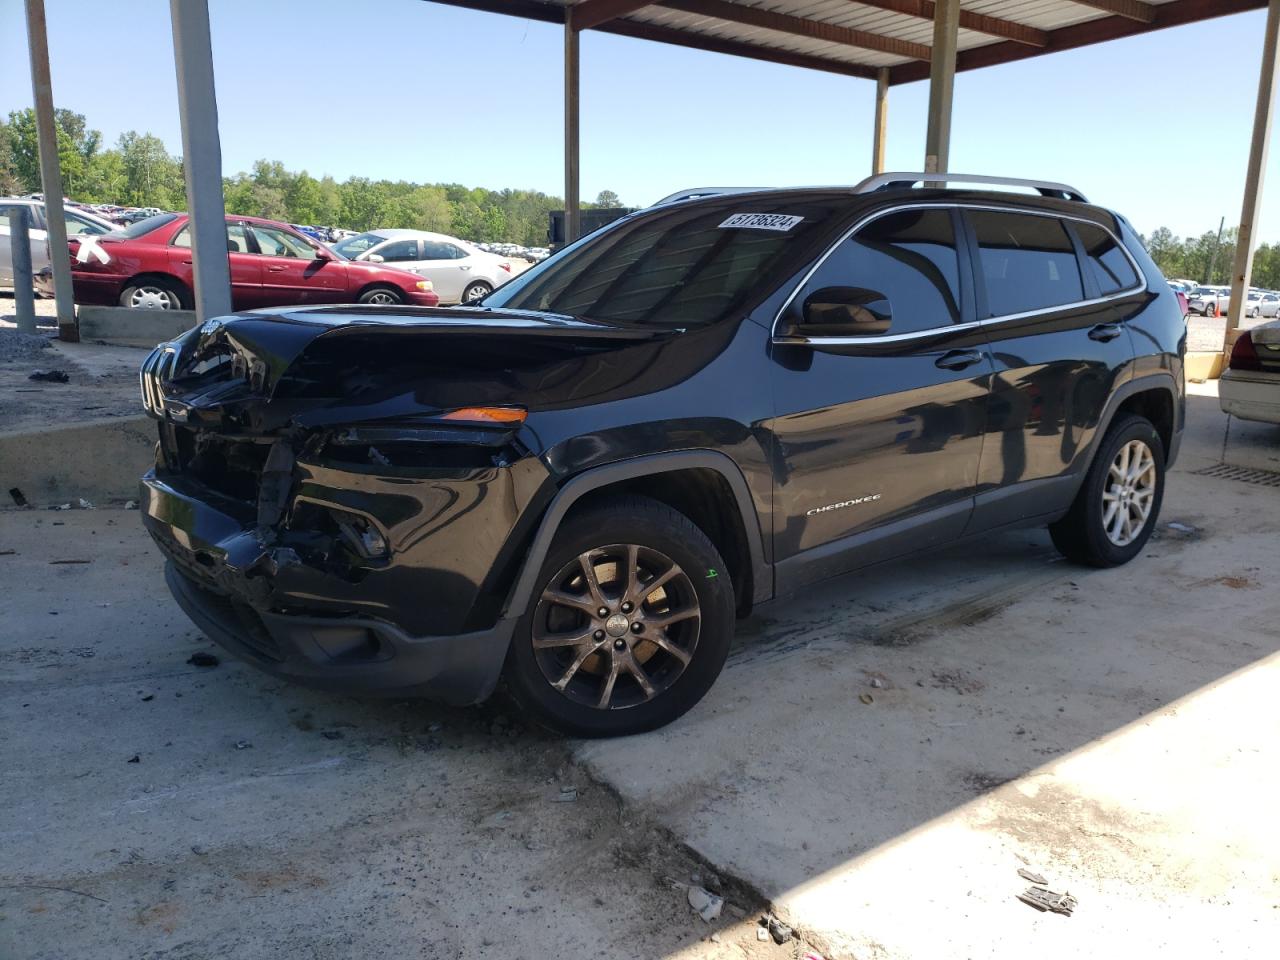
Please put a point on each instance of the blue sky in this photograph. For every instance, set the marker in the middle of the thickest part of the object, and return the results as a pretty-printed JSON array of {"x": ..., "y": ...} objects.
[{"x": 1155, "y": 126}]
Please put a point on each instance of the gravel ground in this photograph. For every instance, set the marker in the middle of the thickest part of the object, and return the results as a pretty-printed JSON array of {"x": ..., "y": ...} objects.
[{"x": 18, "y": 347}]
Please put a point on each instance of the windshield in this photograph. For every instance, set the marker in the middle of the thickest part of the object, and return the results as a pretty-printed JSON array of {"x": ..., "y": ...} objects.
[
  {"x": 143, "y": 227},
  {"x": 352, "y": 247},
  {"x": 682, "y": 265}
]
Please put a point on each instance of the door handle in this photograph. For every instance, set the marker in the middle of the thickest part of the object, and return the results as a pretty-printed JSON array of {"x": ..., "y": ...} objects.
[
  {"x": 275, "y": 269},
  {"x": 958, "y": 359},
  {"x": 187, "y": 262},
  {"x": 1105, "y": 331}
]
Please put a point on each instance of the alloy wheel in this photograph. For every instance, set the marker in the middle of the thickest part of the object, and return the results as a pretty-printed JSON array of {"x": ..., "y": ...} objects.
[
  {"x": 616, "y": 626},
  {"x": 382, "y": 298},
  {"x": 1129, "y": 493}
]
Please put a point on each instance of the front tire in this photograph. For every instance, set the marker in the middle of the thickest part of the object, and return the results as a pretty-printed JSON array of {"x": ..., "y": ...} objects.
[
  {"x": 1118, "y": 505},
  {"x": 630, "y": 626},
  {"x": 475, "y": 291},
  {"x": 381, "y": 296}
]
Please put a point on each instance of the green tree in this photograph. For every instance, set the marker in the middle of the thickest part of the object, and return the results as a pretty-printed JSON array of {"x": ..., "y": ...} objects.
[
  {"x": 152, "y": 178},
  {"x": 608, "y": 200}
]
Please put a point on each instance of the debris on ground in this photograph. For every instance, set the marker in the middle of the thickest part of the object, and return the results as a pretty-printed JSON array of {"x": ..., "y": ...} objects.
[
  {"x": 243, "y": 745},
  {"x": 331, "y": 734},
  {"x": 762, "y": 934},
  {"x": 61, "y": 506},
  {"x": 955, "y": 680},
  {"x": 131, "y": 504},
  {"x": 55, "y": 562},
  {"x": 1181, "y": 527},
  {"x": 1045, "y": 900},
  {"x": 780, "y": 932},
  {"x": 19, "y": 499},
  {"x": 134, "y": 759},
  {"x": 198, "y": 850},
  {"x": 19, "y": 347},
  {"x": 705, "y": 904},
  {"x": 865, "y": 698},
  {"x": 8, "y": 553},
  {"x": 50, "y": 376},
  {"x": 1031, "y": 876},
  {"x": 202, "y": 659},
  {"x": 149, "y": 697},
  {"x": 85, "y": 504},
  {"x": 567, "y": 795}
]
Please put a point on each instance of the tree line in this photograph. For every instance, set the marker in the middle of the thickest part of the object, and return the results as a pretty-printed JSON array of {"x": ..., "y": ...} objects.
[{"x": 139, "y": 171}]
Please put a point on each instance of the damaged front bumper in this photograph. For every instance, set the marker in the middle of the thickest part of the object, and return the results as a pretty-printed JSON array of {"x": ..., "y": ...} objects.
[{"x": 253, "y": 592}]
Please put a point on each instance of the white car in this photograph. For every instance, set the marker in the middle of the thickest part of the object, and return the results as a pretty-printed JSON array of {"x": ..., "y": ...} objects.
[
  {"x": 79, "y": 223},
  {"x": 458, "y": 271},
  {"x": 1210, "y": 301},
  {"x": 1250, "y": 386}
]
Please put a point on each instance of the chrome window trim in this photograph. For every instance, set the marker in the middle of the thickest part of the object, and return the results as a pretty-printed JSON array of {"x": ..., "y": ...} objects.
[{"x": 799, "y": 340}]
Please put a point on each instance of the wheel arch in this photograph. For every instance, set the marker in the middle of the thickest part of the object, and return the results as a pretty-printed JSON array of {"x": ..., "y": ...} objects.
[
  {"x": 185, "y": 294},
  {"x": 381, "y": 285},
  {"x": 680, "y": 480},
  {"x": 1154, "y": 396}
]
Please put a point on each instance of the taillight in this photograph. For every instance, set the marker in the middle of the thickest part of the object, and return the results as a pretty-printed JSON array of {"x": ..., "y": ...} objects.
[
  {"x": 1243, "y": 355},
  {"x": 505, "y": 265}
]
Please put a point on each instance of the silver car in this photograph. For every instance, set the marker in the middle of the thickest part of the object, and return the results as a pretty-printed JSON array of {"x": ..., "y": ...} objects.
[{"x": 79, "y": 223}]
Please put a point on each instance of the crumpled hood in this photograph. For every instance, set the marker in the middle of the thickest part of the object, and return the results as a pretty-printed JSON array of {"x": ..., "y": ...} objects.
[{"x": 262, "y": 370}]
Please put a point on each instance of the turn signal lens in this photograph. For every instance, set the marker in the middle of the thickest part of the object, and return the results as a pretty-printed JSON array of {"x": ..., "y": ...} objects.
[
  {"x": 423, "y": 284},
  {"x": 507, "y": 416}
]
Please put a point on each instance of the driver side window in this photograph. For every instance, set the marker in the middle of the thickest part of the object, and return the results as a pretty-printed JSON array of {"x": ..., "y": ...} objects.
[{"x": 909, "y": 258}]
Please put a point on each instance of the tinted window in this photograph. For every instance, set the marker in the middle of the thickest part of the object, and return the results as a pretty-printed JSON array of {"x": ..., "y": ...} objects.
[
  {"x": 143, "y": 227},
  {"x": 398, "y": 251},
  {"x": 681, "y": 265},
  {"x": 1105, "y": 260},
  {"x": 352, "y": 247},
  {"x": 908, "y": 257},
  {"x": 1028, "y": 262},
  {"x": 237, "y": 242},
  {"x": 437, "y": 250},
  {"x": 280, "y": 243},
  {"x": 82, "y": 226}
]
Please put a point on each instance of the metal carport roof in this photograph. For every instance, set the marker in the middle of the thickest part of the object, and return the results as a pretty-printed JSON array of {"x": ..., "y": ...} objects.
[{"x": 858, "y": 37}]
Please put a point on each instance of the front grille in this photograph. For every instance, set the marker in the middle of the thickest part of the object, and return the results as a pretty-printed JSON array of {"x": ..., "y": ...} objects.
[
  {"x": 156, "y": 370},
  {"x": 1227, "y": 471},
  {"x": 232, "y": 468}
]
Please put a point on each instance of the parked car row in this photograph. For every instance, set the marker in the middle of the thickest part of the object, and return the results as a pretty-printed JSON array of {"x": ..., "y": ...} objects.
[
  {"x": 458, "y": 271},
  {"x": 1214, "y": 302},
  {"x": 149, "y": 265},
  {"x": 532, "y": 254}
]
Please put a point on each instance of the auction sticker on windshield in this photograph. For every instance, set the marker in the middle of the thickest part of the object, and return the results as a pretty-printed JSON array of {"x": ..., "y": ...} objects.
[{"x": 761, "y": 221}]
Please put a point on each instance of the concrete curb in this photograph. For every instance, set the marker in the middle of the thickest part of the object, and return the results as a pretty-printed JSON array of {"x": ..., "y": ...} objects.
[
  {"x": 100, "y": 461},
  {"x": 133, "y": 328},
  {"x": 1203, "y": 365}
]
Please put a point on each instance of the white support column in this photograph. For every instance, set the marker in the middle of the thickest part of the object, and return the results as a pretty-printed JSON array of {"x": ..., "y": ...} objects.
[
  {"x": 50, "y": 171},
  {"x": 572, "y": 200},
  {"x": 201, "y": 156},
  {"x": 942, "y": 78},
  {"x": 881, "y": 122},
  {"x": 1242, "y": 267}
]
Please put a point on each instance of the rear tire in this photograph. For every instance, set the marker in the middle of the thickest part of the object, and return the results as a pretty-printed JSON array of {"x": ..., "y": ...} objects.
[
  {"x": 1118, "y": 504},
  {"x": 1211, "y": 310},
  {"x": 155, "y": 293},
  {"x": 661, "y": 642},
  {"x": 381, "y": 296},
  {"x": 475, "y": 291}
]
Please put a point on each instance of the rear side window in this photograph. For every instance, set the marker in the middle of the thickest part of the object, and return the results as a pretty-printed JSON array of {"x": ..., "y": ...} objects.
[
  {"x": 1028, "y": 262},
  {"x": 1105, "y": 260},
  {"x": 399, "y": 251},
  {"x": 910, "y": 258}
]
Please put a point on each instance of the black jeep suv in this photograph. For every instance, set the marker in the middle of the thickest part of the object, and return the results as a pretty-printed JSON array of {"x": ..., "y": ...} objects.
[{"x": 579, "y": 483}]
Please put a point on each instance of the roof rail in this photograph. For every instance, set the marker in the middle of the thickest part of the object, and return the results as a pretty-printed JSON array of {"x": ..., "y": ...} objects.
[
  {"x": 693, "y": 193},
  {"x": 894, "y": 181}
]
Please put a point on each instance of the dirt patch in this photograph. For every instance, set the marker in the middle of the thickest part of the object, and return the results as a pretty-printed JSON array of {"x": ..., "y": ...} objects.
[{"x": 957, "y": 681}]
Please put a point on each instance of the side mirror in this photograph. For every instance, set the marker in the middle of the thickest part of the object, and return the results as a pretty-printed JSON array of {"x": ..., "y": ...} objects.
[
  {"x": 323, "y": 254},
  {"x": 375, "y": 258},
  {"x": 846, "y": 312}
]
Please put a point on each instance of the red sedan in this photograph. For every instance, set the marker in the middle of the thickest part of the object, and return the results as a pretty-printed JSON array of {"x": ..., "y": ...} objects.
[{"x": 148, "y": 264}]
